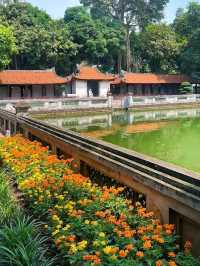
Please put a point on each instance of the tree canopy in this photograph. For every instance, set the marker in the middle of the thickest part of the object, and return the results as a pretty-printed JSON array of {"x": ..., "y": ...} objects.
[
  {"x": 130, "y": 13},
  {"x": 160, "y": 48},
  {"x": 7, "y": 45},
  {"x": 115, "y": 35}
]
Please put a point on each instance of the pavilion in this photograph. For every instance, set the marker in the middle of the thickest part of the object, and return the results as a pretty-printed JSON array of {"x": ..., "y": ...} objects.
[
  {"x": 89, "y": 81},
  {"x": 147, "y": 84},
  {"x": 21, "y": 84}
]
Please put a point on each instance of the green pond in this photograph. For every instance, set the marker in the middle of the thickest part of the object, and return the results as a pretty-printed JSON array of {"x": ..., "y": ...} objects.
[{"x": 172, "y": 136}]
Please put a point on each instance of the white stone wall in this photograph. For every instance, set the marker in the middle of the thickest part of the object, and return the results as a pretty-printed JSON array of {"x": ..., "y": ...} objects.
[
  {"x": 104, "y": 87},
  {"x": 80, "y": 88}
]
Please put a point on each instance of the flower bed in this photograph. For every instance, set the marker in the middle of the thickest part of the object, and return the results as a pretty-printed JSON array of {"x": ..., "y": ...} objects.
[{"x": 89, "y": 225}]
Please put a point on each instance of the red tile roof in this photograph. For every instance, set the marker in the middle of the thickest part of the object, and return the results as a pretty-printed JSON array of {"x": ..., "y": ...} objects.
[
  {"x": 149, "y": 78},
  {"x": 30, "y": 77},
  {"x": 91, "y": 73}
]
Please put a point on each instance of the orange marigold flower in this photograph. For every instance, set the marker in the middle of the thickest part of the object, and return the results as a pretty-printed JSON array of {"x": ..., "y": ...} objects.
[
  {"x": 87, "y": 257},
  {"x": 129, "y": 234},
  {"x": 97, "y": 261},
  {"x": 172, "y": 263},
  {"x": 168, "y": 232},
  {"x": 71, "y": 238},
  {"x": 159, "y": 263},
  {"x": 58, "y": 242},
  {"x": 171, "y": 254},
  {"x": 147, "y": 244},
  {"x": 123, "y": 253},
  {"x": 145, "y": 238},
  {"x": 188, "y": 245},
  {"x": 129, "y": 247},
  {"x": 140, "y": 254}
]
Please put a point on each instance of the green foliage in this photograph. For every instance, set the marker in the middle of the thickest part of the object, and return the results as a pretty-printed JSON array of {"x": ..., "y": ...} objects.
[
  {"x": 103, "y": 33},
  {"x": 185, "y": 88},
  {"x": 98, "y": 42},
  {"x": 130, "y": 14},
  {"x": 7, "y": 45},
  {"x": 86, "y": 34},
  {"x": 188, "y": 260},
  {"x": 160, "y": 48},
  {"x": 21, "y": 244},
  {"x": 9, "y": 208},
  {"x": 42, "y": 42},
  {"x": 187, "y": 26},
  {"x": 186, "y": 22}
]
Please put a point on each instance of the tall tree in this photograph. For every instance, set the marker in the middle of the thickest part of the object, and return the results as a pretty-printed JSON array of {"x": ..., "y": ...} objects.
[
  {"x": 7, "y": 45},
  {"x": 187, "y": 26},
  {"x": 160, "y": 47},
  {"x": 86, "y": 34},
  {"x": 42, "y": 42},
  {"x": 130, "y": 13}
]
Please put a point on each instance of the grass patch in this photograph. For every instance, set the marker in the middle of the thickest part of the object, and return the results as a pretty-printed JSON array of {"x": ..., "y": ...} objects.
[
  {"x": 22, "y": 245},
  {"x": 9, "y": 208}
]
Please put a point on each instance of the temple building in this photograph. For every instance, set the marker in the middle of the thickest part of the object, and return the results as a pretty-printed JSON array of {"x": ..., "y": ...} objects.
[
  {"x": 147, "y": 84},
  {"x": 21, "y": 84},
  {"x": 88, "y": 81}
]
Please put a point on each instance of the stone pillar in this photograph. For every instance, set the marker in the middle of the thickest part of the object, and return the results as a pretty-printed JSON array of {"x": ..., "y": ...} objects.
[
  {"x": 110, "y": 120},
  {"x": 110, "y": 99},
  {"x": 60, "y": 105},
  {"x": 21, "y": 109},
  {"x": 128, "y": 101},
  {"x": 46, "y": 105}
]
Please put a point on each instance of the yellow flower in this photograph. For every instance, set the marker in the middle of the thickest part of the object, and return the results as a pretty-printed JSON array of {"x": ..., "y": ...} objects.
[
  {"x": 66, "y": 227},
  {"x": 94, "y": 222},
  {"x": 101, "y": 234},
  {"x": 96, "y": 243},
  {"x": 107, "y": 250},
  {"x": 113, "y": 257},
  {"x": 87, "y": 222},
  {"x": 55, "y": 217},
  {"x": 82, "y": 245},
  {"x": 60, "y": 197},
  {"x": 58, "y": 226},
  {"x": 46, "y": 226},
  {"x": 55, "y": 232},
  {"x": 73, "y": 248}
]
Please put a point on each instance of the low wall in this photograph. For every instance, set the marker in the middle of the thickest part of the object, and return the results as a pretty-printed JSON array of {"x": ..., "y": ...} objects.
[
  {"x": 132, "y": 101},
  {"x": 75, "y": 103},
  {"x": 61, "y": 103}
]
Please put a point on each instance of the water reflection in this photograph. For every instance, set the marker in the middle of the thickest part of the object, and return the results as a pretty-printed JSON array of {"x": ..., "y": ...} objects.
[
  {"x": 173, "y": 136},
  {"x": 82, "y": 123}
]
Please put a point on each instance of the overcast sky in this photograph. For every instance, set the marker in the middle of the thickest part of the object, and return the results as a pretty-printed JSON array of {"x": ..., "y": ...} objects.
[{"x": 56, "y": 8}]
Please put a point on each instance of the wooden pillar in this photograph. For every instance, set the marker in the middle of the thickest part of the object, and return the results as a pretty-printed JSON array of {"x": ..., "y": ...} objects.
[
  {"x": 9, "y": 91},
  {"x": 22, "y": 91},
  {"x": 31, "y": 91}
]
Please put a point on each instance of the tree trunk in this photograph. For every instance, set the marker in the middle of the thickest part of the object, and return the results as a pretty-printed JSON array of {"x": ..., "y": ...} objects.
[
  {"x": 128, "y": 49},
  {"x": 119, "y": 63}
]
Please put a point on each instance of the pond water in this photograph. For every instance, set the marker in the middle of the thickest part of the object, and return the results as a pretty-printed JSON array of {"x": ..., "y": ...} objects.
[{"x": 172, "y": 136}]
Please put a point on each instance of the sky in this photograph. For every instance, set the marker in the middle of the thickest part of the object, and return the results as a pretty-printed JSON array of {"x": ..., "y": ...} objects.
[{"x": 57, "y": 8}]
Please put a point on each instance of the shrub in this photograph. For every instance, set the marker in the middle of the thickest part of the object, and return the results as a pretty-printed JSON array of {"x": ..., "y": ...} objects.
[
  {"x": 9, "y": 209},
  {"x": 185, "y": 88},
  {"x": 21, "y": 244}
]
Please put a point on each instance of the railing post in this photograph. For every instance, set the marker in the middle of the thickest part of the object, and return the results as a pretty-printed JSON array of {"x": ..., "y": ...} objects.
[{"x": 110, "y": 100}]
